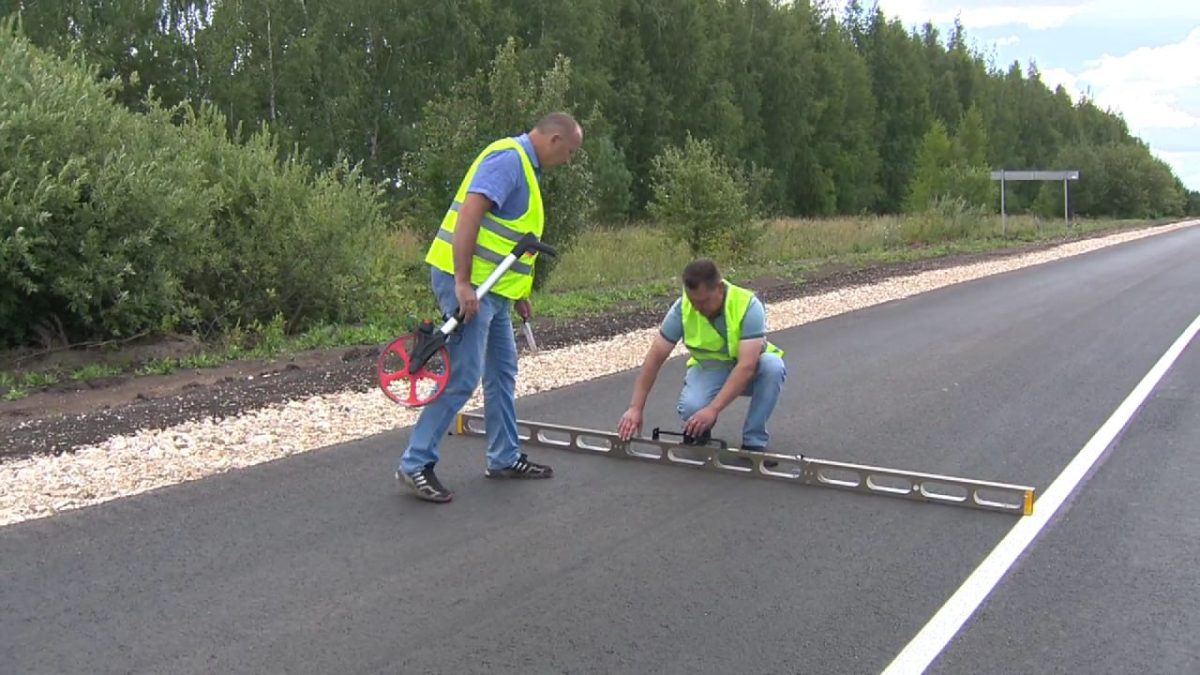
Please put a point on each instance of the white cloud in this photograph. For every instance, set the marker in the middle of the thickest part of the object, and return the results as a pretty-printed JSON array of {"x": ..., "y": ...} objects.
[
  {"x": 1006, "y": 41},
  {"x": 1185, "y": 164},
  {"x": 1145, "y": 84},
  {"x": 1033, "y": 14},
  {"x": 1156, "y": 90},
  {"x": 1052, "y": 77}
]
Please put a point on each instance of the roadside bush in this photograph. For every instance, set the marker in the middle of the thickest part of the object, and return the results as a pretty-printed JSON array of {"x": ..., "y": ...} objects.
[
  {"x": 284, "y": 239},
  {"x": 942, "y": 173},
  {"x": 945, "y": 219},
  {"x": 114, "y": 223},
  {"x": 96, "y": 206},
  {"x": 701, "y": 200}
]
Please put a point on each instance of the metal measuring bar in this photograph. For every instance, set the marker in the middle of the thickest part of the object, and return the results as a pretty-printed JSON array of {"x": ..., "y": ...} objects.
[{"x": 877, "y": 480}]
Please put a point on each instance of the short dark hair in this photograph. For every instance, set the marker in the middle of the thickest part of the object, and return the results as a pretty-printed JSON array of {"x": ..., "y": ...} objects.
[{"x": 702, "y": 271}]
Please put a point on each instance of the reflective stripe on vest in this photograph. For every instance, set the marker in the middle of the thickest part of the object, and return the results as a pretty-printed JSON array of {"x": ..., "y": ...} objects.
[
  {"x": 497, "y": 236},
  {"x": 704, "y": 344}
]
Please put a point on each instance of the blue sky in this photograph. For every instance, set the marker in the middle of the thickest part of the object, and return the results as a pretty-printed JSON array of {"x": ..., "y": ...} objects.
[{"x": 1141, "y": 59}]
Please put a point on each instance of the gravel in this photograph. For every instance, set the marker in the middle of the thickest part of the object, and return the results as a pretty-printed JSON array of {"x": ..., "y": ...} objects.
[{"x": 43, "y": 485}]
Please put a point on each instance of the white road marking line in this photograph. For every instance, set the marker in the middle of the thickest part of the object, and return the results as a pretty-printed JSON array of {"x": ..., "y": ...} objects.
[{"x": 945, "y": 624}]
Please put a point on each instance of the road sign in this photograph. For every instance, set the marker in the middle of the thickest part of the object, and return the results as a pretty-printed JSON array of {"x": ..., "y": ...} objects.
[
  {"x": 1004, "y": 175},
  {"x": 1035, "y": 175}
]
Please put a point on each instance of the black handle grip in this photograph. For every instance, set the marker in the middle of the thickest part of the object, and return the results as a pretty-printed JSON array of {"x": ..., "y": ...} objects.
[
  {"x": 529, "y": 242},
  {"x": 704, "y": 439}
]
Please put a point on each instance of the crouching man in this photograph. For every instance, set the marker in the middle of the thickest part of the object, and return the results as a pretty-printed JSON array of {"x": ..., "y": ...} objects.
[{"x": 723, "y": 327}]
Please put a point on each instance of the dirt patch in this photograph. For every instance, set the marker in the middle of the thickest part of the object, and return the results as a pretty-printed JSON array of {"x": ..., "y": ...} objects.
[{"x": 60, "y": 417}]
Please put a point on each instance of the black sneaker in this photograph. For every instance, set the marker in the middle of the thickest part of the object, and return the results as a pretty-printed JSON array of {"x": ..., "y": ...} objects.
[
  {"x": 522, "y": 468},
  {"x": 426, "y": 485},
  {"x": 769, "y": 463}
]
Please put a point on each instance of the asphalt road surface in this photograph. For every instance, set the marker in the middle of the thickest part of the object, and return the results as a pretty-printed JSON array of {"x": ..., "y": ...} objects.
[{"x": 318, "y": 564}]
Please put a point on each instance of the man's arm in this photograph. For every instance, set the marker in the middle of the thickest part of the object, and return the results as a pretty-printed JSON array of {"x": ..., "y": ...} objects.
[
  {"x": 656, "y": 356},
  {"x": 631, "y": 421},
  {"x": 743, "y": 372}
]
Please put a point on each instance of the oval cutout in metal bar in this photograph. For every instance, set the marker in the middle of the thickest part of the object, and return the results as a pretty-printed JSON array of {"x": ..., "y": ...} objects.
[
  {"x": 559, "y": 438},
  {"x": 946, "y": 492},
  {"x": 595, "y": 443},
  {"x": 891, "y": 484},
  {"x": 840, "y": 477}
]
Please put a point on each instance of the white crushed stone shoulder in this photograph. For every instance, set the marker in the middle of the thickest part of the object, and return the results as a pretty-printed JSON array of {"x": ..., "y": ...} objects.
[{"x": 125, "y": 465}]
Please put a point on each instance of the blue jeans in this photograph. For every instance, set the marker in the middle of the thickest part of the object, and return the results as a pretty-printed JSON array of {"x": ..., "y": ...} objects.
[
  {"x": 482, "y": 346},
  {"x": 701, "y": 385}
]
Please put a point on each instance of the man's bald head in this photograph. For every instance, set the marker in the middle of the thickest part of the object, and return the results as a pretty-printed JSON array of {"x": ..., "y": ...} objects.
[
  {"x": 555, "y": 138},
  {"x": 557, "y": 123}
]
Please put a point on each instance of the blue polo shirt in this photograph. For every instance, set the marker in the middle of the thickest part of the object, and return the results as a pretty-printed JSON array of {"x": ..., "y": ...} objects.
[{"x": 501, "y": 178}]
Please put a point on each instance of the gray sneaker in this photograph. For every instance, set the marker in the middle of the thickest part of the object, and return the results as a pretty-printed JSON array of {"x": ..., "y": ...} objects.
[
  {"x": 425, "y": 485},
  {"x": 522, "y": 468}
]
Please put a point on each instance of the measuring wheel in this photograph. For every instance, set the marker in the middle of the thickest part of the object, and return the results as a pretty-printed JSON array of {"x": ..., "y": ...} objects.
[{"x": 409, "y": 386}]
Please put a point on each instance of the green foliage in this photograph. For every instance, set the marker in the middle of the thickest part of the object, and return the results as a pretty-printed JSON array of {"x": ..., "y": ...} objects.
[
  {"x": 611, "y": 179},
  {"x": 115, "y": 223},
  {"x": 932, "y": 177},
  {"x": 96, "y": 205},
  {"x": 505, "y": 101},
  {"x": 835, "y": 107},
  {"x": 701, "y": 199},
  {"x": 94, "y": 371},
  {"x": 284, "y": 239},
  {"x": 943, "y": 170},
  {"x": 1122, "y": 180},
  {"x": 945, "y": 218},
  {"x": 971, "y": 142},
  {"x": 1193, "y": 203}
]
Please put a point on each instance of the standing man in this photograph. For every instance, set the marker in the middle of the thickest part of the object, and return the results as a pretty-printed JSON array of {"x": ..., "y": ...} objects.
[
  {"x": 498, "y": 201},
  {"x": 723, "y": 327}
]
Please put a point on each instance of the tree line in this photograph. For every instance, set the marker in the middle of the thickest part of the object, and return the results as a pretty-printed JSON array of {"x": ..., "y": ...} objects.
[
  {"x": 829, "y": 108},
  {"x": 213, "y": 167}
]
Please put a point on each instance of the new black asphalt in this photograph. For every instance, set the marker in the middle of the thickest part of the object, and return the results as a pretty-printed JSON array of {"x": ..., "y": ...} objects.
[{"x": 318, "y": 564}]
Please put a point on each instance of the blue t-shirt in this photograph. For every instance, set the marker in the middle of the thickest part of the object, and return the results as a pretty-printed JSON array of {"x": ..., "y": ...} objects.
[
  {"x": 754, "y": 324},
  {"x": 501, "y": 178}
]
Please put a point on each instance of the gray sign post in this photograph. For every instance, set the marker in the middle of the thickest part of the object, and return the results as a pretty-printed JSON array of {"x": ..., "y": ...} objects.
[{"x": 1004, "y": 176}]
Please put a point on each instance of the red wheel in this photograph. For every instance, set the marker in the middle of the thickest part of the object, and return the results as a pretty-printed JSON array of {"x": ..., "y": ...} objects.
[{"x": 416, "y": 389}]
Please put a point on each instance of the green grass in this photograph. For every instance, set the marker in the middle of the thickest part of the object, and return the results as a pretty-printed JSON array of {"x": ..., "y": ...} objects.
[
  {"x": 618, "y": 267},
  {"x": 94, "y": 371},
  {"x": 628, "y": 267}
]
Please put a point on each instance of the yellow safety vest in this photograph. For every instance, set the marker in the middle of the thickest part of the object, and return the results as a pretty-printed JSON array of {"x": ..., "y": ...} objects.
[
  {"x": 703, "y": 341},
  {"x": 497, "y": 236}
]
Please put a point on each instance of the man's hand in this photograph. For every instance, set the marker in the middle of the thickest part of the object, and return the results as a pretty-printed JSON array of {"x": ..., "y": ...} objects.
[
  {"x": 631, "y": 423},
  {"x": 468, "y": 304},
  {"x": 524, "y": 309},
  {"x": 702, "y": 421}
]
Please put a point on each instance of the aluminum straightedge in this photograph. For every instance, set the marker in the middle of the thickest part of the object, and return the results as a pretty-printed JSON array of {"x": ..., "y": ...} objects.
[{"x": 926, "y": 487}]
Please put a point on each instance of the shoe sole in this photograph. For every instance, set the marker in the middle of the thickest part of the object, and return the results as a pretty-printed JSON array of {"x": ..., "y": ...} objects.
[{"x": 522, "y": 476}]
